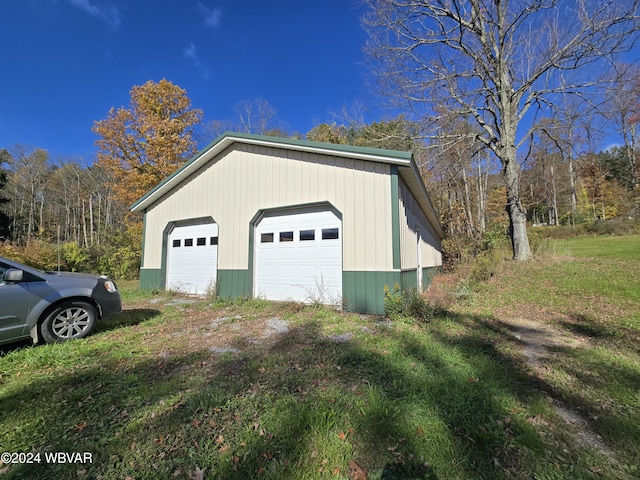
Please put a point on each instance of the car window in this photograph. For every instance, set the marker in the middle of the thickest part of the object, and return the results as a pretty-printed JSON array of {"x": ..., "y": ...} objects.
[{"x": 28, "y": 277}]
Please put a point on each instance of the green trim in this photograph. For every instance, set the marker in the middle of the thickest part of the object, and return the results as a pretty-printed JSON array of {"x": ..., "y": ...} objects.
[
  {"x": 364, "y": 291},
  {"x": 427, "y": 276},
  {"x": 151, "y": 279},
  {"x": 409, "y": 280},
  {"x": 302, "y": 144},
  {"x": 234, "y": 283},
  {"x": 395, "y": 217}
]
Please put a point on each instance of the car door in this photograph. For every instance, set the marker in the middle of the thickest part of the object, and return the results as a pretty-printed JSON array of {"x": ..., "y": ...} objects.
[{"x": 14, "y": 305}]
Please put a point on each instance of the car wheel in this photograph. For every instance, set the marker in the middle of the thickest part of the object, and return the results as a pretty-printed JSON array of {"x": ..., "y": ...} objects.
[{"x": 68, "y": 321}]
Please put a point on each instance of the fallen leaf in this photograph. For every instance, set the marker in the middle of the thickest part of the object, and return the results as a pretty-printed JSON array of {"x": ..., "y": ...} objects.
[
  {"x": 198, "y": 474},
  {"x": 342, "y": 436},
  {"x": 356, "y": 472},
  {"x": 81, "y": 426},
  {"x": 336, "y": 471},
  {"x": 420, "y": 432}
]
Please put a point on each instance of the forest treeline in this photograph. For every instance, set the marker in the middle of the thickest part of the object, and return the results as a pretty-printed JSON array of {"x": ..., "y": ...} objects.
[{"x": 70, "y": 213}]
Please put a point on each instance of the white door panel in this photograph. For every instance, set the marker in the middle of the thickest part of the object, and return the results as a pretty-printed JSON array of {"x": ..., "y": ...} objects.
[
  {"x": 306, "y": 269},
  {"x": 192, "y": 261}
]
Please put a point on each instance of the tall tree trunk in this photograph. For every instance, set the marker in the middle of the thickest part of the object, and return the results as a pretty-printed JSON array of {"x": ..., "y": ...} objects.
[
  {"x": 572, "y": 185},
  {"x": 482, "y": 180},
  {"x": 91, "y": 218},
  {"x": 515, "y": 210},
  {"x": 556, "y": 221},
  {"x": 84, "y": 226},
  {"x": 41, "y": 222},
  {"x": 471, "y": 229}
]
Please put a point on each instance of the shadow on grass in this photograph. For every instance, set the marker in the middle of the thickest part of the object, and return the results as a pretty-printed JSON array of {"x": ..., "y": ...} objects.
[
  {"x": 15, "y": 346},
  {"x": 583, "y": 325},
  {"x": 445, "y": 405},
  {"x": 125, "y": 319},
  {"x": 128, "y": 318}
]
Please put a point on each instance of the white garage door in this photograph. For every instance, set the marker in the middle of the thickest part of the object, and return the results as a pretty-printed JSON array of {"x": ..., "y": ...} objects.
[
  {"x": 298, "y": 256},
  {"x": 192, "y": 258}
]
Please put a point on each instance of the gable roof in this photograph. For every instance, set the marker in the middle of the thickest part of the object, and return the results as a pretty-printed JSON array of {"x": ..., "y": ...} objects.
[{"x": 403, "y": 160}]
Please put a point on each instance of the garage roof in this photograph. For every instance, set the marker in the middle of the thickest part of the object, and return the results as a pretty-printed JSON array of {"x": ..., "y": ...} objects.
[{"x": 404, "y": 160}]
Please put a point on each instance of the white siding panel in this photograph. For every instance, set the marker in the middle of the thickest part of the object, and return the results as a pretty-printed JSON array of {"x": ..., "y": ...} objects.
[{"x": 412, "y": 216}]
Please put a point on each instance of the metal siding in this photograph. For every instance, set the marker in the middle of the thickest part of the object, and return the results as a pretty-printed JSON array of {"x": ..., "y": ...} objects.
[
  {"x": 151, "y": 279},
  {"x": 246, "y": 178},
  {"x": 409, "y": 280},
  {"x": 364, "y": 290},
  {"x": 234, "y": 284},
  {"x": 412, "y": 215}
]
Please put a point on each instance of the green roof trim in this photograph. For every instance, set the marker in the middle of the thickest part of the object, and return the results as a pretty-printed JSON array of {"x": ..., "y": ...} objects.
[
  {"x": 228, "y": 138},
  {"x": 293, "y": 142}
]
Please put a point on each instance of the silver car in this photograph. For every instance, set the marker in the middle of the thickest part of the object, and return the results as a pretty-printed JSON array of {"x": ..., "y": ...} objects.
[{"x": 52, "y": 306}]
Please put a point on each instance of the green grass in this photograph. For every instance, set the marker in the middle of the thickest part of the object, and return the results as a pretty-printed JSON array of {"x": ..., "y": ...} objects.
[
  {"x": 609, "y": 247},
  {"x": 449, "y": 399}
]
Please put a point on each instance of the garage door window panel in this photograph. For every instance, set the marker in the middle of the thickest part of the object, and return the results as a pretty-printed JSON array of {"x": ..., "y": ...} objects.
[
  {"x": 330, "y": 234},
  {"x": 307, "y": 235},
  {"x": 286, "y": 236}
]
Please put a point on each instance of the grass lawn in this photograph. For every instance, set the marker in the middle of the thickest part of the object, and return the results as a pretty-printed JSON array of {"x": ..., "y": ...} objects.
[{"x": 253, "y": 389}]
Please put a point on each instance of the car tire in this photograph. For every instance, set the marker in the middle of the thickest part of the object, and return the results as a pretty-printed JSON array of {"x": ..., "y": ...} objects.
[{"x": 69, "y": 321}]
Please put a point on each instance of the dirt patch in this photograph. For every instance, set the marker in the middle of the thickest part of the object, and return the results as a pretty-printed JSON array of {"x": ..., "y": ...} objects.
[{"x": 538, "y": 340}]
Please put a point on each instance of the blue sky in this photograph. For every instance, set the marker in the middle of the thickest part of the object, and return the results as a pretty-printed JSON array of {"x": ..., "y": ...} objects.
[{"x": 65, "y": 63}]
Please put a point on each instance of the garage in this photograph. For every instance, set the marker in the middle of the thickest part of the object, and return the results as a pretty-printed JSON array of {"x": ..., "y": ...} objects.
[
  {"x": 298, "y": 256},
  {"x": 298, "y": 220},
  {"x": 192, "y": 258}
]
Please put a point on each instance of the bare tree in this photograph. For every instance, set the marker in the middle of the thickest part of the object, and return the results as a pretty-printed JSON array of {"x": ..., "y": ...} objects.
[
  {"x": 498, "y": 61},
  {"x": 624, "y": 110},
  {"x": 29, "y": 169},
  {"x": 256, "y": 116}
]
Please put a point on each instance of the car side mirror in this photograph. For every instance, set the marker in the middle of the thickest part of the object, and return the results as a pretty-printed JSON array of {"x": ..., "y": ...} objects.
[{"x": 13, "y": 275}]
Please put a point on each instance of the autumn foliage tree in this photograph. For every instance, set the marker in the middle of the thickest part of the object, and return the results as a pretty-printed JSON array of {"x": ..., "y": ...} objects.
[{"x": 140, "y": 145}]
